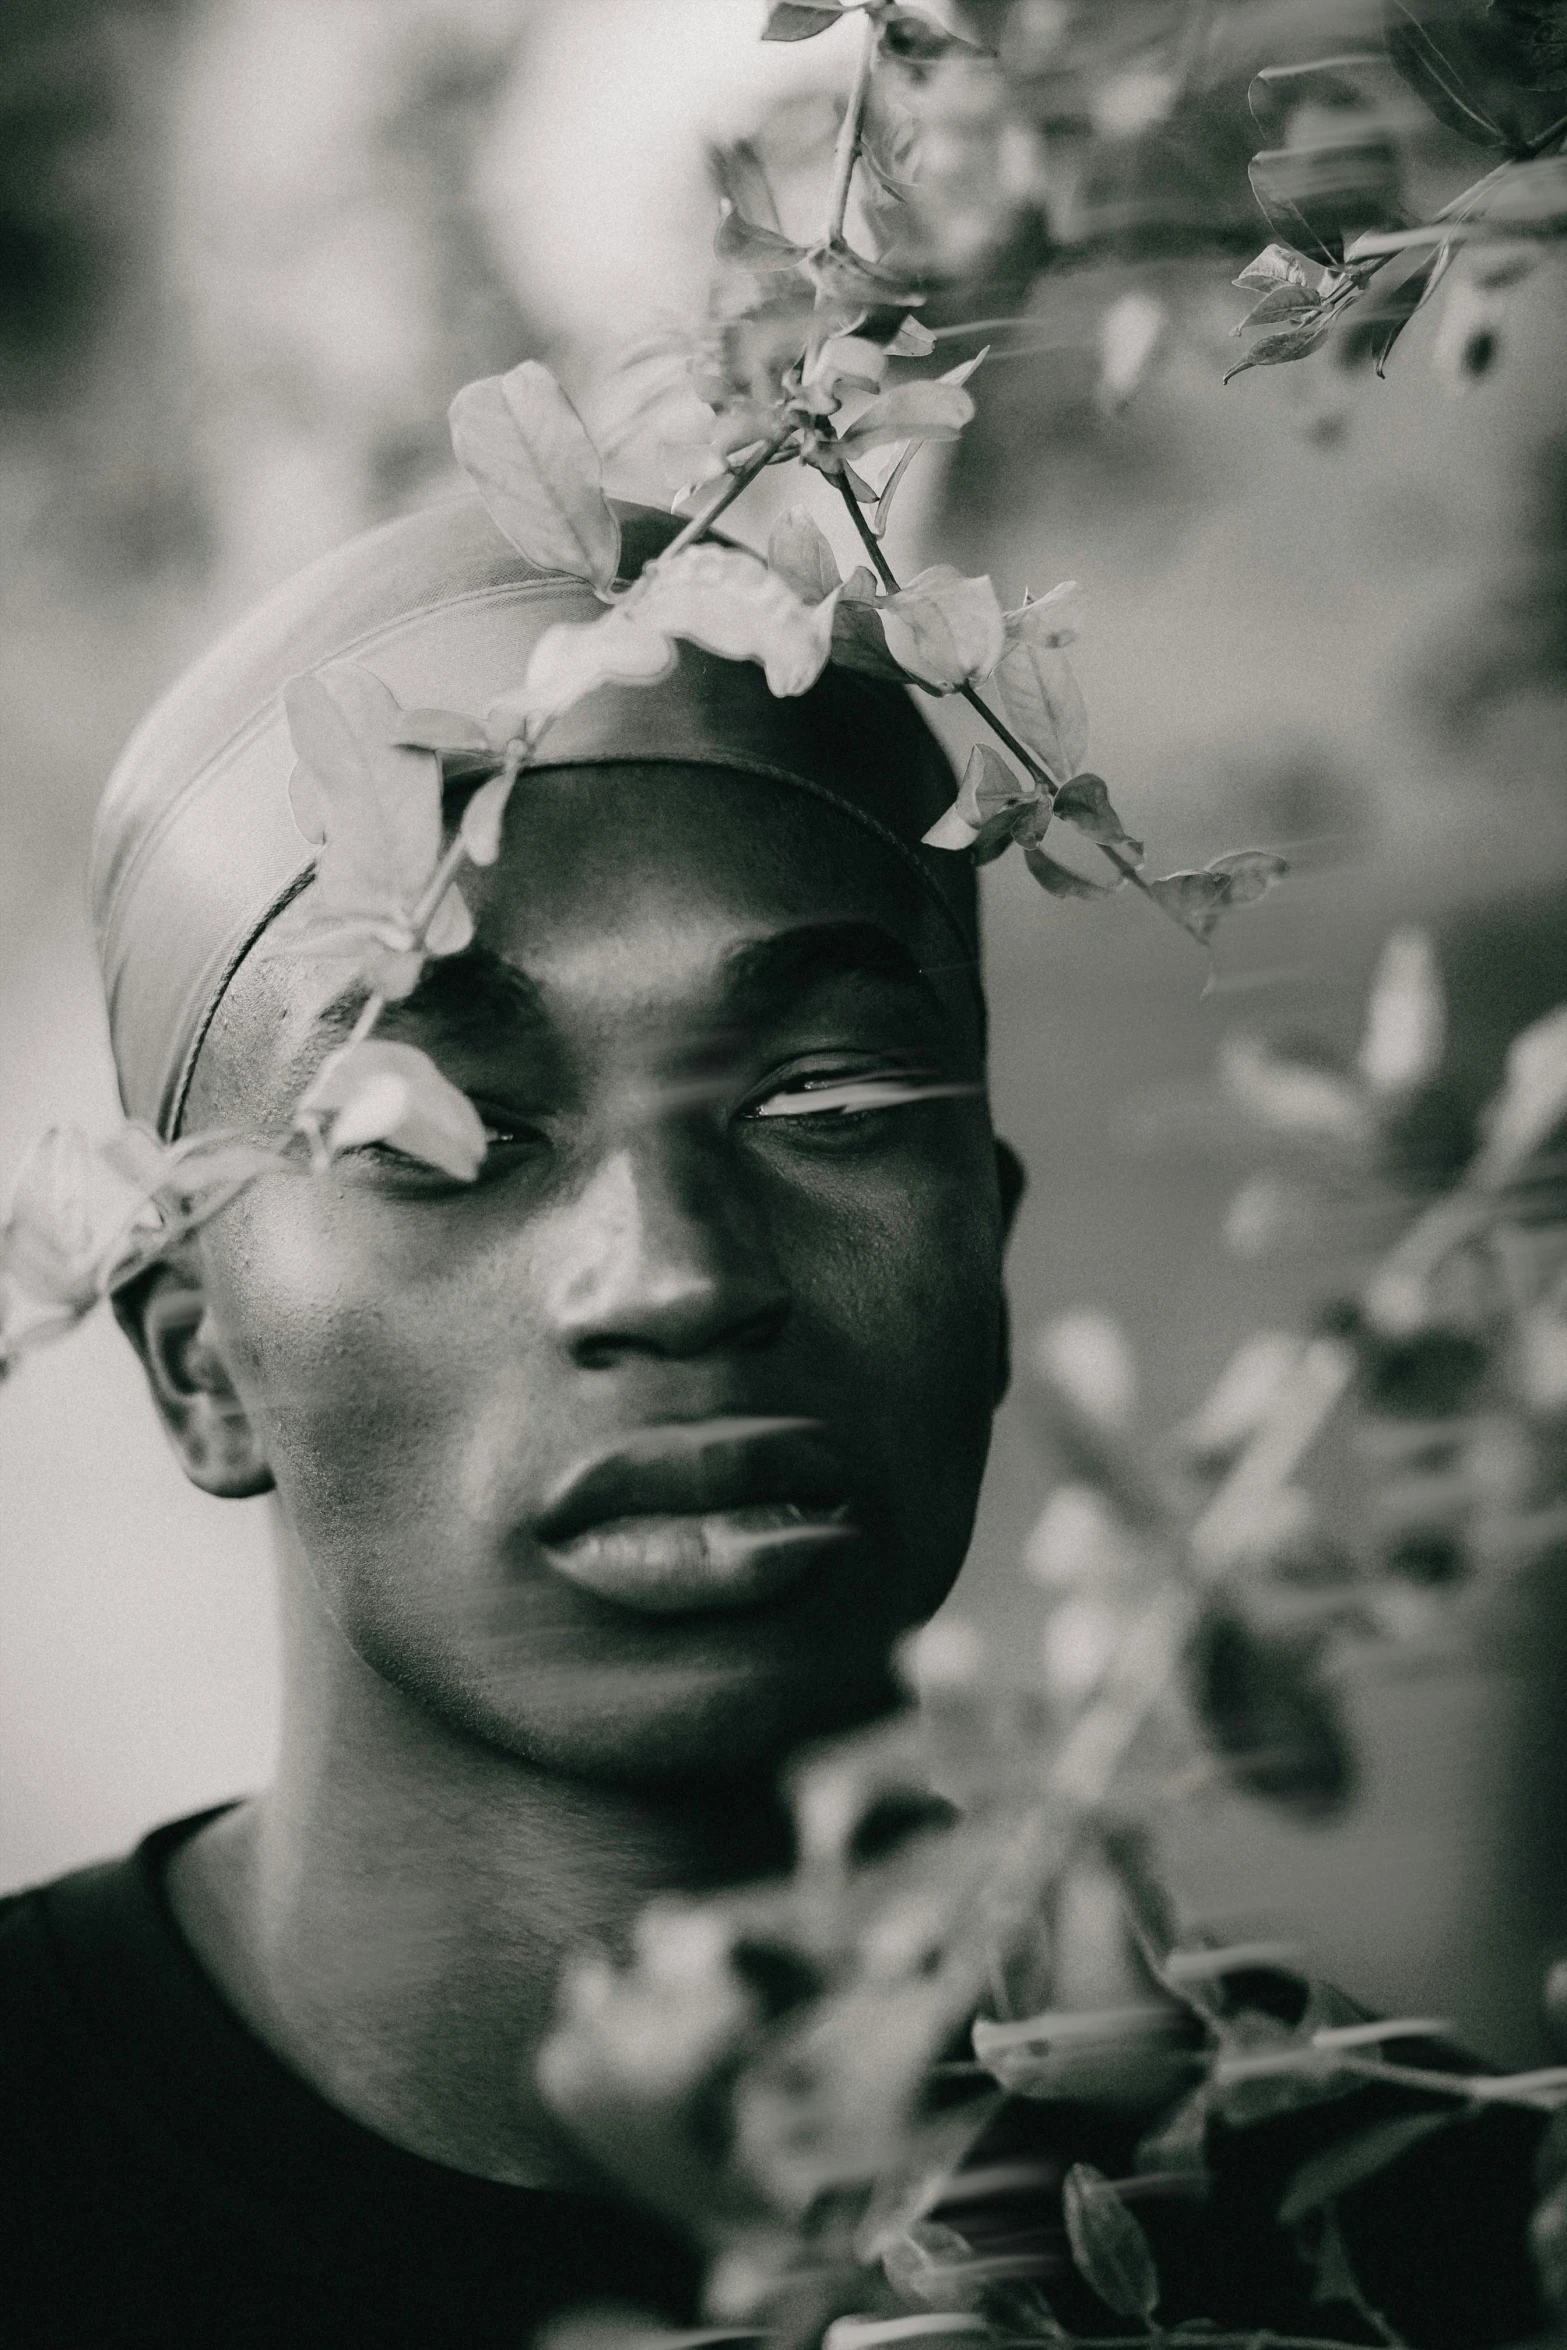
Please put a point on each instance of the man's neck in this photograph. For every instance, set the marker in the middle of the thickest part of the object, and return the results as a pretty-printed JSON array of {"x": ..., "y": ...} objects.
[{"x": 391, "y": 1917}]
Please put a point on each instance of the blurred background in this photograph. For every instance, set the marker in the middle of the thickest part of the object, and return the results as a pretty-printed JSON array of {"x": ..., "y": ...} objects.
[{"x": 248, "y": 251}]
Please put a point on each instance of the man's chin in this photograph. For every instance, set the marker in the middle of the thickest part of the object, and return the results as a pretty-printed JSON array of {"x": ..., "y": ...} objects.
[{"x": 660, "y": 1727}]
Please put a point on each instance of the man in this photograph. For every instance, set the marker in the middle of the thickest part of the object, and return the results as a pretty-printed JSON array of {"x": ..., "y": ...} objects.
[{"x": 601, "y": 1483}]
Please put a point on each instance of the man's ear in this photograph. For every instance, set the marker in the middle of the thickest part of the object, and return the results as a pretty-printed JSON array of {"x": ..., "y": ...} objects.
[
  {"x": 1012, "y": 1177},
  {"x": 167, "y": 1319}
]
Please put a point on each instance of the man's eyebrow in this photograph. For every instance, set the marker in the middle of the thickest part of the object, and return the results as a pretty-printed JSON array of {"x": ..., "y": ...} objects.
[
  {"x": 792, "y": 963},
  {"x": 467, "y": 999}
]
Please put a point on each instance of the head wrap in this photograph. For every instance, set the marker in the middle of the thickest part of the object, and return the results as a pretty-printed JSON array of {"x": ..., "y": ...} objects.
[{"x": 195, "y": 849}]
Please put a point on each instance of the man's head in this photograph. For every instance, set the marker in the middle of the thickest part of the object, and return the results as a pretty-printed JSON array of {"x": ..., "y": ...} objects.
[{"x": 635, "y": 1456}]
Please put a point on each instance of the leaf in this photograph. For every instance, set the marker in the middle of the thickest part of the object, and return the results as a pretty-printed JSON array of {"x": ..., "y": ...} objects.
[
  {"x": 944, "y": 629},
  {"x": 914, "y": 38},
  {"x": 1321, "y": 193},
  {"x": 570, "y": 660},
  {"x": 1531, "y": 1104},
  {"x": 1406, "y": 1017},
  {"x": 729, "y": 602},
  {"x": 1332, "y": 2173},
  {"x": 445, "y": 732},
  {"x": 921, "y": 412},
  {"x": 1197, "y": 900},
  {"x": 1061, "y": 881},
  {"x": 1052, "y": 621},
  {"x": 1026, "y": 825},
  {"x": 1281, "y": 265},
  {"x": 1285, "y": 301},
  {"x": 1109, "y": 2248},
  {"x": 379, "y": 1091},
  {"x": 1296, "y": 1093},
  {"x": 1130, "y": 333},
  {"x": 1178, "y": 2141},
  {"x": 48, "y": 1245},
  {"x": 990, "y": 788},
  {"x": 799, "y": 20},
  {"x": 1118, "y": 2057},
  {"x": 1382, "y": 315},
  {"x": 1439, "y": 79},
  {"x": 1264, "y": 1704},
  {"x": 179, "y": 1174},
  {"x": 889, "y": 144},
  {"x": 1249, "y": 873},
  {"x": 1290, "y": 343},
  {"x": 844, "y": 363},
  {"x": 338, "y": 717},
  {"x": 924, "y": 2266},
  {"x": 527, "y": 452},
  {"x": 989, "y": 798},
  {"x": 847, "y": 277},
  {"x": 1043, "y": 700},
  {"x": 859, "y": 641},
  {"x": 1339, "y": 84},
  {"x": 1335, "y": 2278},
  {"x": 748, "y": 245},
  {"x": 889, "y": 490},
  {"x": 965, "y": 368},
  {"x": 1537, "y": 31},
  {"x": 802, "y": 557},
  {"x": 376, "y": 809},
  {"x": 1085, "y": 803},
  {"x": 483, "y": 818},
  {"x": 912, "y": 341}
]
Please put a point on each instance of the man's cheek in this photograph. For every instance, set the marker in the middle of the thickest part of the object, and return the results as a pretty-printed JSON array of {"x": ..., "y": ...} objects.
[
  {"x": 349, "y": 1377},
  {"x": 917, "y": 1285}
]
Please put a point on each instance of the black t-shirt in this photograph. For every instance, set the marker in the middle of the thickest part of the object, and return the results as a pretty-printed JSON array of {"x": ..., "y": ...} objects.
[{"x": 166, "y": 2181}]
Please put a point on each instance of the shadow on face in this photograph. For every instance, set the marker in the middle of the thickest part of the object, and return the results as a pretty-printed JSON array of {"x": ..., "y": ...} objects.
[{"x": 634, "y": 1456}]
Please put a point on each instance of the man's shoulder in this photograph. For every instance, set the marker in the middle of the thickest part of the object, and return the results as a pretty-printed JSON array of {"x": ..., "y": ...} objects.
[{"x": 41, "y": 2006}]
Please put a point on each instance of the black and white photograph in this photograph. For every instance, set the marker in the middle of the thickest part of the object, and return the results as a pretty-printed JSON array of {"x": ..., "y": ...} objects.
[{"x": 783, "y": 1174}]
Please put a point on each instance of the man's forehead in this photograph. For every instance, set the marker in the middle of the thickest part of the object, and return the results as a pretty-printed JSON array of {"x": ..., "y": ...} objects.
[{"x": 705, "y": 970}]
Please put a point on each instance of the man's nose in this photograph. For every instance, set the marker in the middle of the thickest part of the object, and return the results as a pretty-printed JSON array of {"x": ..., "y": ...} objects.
[{"x": 659, "y": 1254}]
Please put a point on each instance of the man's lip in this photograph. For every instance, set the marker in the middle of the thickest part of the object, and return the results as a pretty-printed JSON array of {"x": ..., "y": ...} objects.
[
  {"x": 695, "y": 1468},
  {"x": 723, "y": 1560}
]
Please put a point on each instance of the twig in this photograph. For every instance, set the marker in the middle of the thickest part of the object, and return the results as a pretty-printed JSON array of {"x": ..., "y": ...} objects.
[
  {"x": 369, "y": 1013},
  {"x": 872, "y": 544},
  {"x": 1031, "y": 765},
  {"x": 846, "y": 153},
  {"x": 724, "y": 497}
]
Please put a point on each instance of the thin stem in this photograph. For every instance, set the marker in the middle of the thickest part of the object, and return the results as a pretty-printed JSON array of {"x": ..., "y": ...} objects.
[
  {"x": 453, "y": 859},
  {"x": 1544, "y": 140},
  {"x": 370, "y": 1012},
  {"x": 850, "y": 132},
  {"x": 1003, "y": 733},
  {"x": 1026, "y": 759},
  {"x": 872, "y": 543},
  {"x": 726, "y": 494}
]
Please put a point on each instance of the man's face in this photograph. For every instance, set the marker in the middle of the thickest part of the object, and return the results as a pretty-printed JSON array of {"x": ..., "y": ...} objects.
[{"x": 457, "y": 1389}]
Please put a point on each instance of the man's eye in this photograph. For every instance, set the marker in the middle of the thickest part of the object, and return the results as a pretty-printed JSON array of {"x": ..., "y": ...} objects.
[{"x": 856, "y": 1094}]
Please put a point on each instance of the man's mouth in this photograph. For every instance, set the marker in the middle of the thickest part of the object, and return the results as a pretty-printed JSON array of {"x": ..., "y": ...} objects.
[{"x": 690, "y": 1515}]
